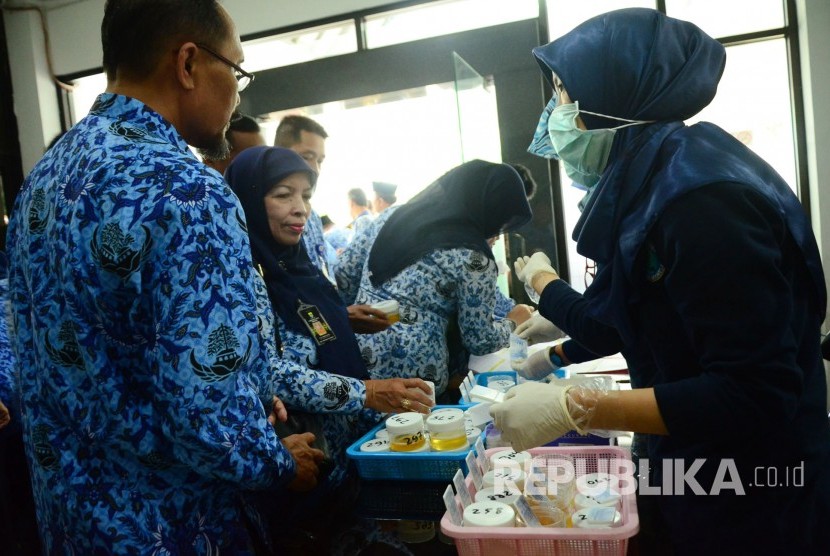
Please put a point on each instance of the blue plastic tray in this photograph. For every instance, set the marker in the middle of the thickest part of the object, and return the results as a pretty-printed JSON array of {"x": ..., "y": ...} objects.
[{"x": 421, "y": 466}]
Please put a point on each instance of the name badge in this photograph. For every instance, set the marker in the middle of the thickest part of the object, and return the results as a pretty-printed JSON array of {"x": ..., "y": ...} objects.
[{"x": 316, "y": 324}]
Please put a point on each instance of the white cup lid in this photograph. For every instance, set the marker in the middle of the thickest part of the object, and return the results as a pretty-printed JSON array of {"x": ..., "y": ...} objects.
[
  {"x": 504, "y": 495},
  {"x": 599, "y": 517},
  {"x": 504, "y": 476},
  {"x": 509, "y": 457},
  {"x": 443, "y": 421},
  {"x": 404, "y": 423},
  {"x": 594, "y": 483},
  {"x": 387, "y": 306},
  {"x": 375, "y": 445},
  {"x": 489, "y": 514}
]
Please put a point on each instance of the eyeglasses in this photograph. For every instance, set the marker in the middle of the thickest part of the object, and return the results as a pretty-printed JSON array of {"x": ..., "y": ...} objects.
[
  {"x": 590, "y": 272},
  {"x": 243, "y": 78}
]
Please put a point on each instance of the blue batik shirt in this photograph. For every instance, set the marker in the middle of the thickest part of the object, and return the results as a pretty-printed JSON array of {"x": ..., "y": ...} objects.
[
  {"x": 142, "y": 363},
  {"x": 444, "y": 283},
  {"x": 7, "y": 390},
  {"x": 337, "y": 400}
]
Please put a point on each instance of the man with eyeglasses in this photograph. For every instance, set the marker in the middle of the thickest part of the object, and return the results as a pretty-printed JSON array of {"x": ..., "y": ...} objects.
[{"x": 143, "y": 365}]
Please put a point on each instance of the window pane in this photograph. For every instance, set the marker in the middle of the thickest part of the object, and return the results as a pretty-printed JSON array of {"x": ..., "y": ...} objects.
[
  {"x": 442, "y": 18},
  {"x": 753, "y": 104},
  {"x": 300, "y": 46},
  {"x": 86, "y": 91},
  {"x": 564, "y": 15},
  {"x": 724, "y": 18}
]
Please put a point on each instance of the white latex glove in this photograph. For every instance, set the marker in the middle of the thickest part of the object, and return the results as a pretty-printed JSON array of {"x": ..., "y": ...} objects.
[
  {"x": 533, "y": 414},
  {"x": 538, "y": 329},
  {"x": 538, "y": 365},
  {"x": 527, "y": 267}
]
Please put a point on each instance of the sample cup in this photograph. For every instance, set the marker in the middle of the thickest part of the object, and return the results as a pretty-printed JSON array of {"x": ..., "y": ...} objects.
[
  {"x": 390, "y": 307},
  {"x": 406, "y": 432},
  {"x": 447, "y": 431}
]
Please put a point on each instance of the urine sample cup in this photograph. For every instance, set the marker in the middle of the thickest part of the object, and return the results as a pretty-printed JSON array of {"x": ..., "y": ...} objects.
[
  {"x": 447, "y": 431},
  {"x": 489, "y": 514},
  {"x": 406, "y": 432},
  {"x": 390, "y": 307}
]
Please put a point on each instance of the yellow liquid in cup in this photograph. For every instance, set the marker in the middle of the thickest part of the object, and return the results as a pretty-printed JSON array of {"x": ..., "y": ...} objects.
[
  {"x": 393, "y": 317},
  {"x": 440, "y": 443},
  {"x": 407, "y": 442}
]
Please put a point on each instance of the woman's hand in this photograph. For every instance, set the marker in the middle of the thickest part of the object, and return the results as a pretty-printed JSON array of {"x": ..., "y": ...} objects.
[
  {"x": 535, "y": 271},
  {"x": 5, "y": 417},
  {"x": 397, "y": 395},
  {"x": 365, "y": 320}
]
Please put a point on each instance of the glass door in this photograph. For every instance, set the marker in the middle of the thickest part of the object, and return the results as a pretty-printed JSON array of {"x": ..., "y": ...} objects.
[
  {"x": 478, "y": 118},
  {"x": 478, "y": 129}
]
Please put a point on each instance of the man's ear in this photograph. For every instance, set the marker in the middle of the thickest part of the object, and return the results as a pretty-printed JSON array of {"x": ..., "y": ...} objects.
[{"x": 186, "y": 65}]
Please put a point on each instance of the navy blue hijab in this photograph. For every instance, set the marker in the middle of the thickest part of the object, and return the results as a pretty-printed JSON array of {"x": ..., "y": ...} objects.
[
  {"x": 463, "y": 208},
  {"x": 642, "y": 65},
  {"x": 289, "y": 275}
]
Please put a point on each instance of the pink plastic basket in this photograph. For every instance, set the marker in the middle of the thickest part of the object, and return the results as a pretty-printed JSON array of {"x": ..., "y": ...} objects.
[{"x": 531, "y": 541}]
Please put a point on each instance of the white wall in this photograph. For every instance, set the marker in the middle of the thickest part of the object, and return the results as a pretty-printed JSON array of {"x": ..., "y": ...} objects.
[
  {"x": 75, "y": 45},
  {"x": 75, "y": 30}
]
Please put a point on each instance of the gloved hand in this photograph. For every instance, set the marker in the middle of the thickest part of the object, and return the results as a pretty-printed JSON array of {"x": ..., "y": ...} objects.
[
  {"x": 538, "y": 329},
  {"x": 527, "y": 267},
  {"x": 533, "y": 414},
  {"x": 538, "y": 365}
]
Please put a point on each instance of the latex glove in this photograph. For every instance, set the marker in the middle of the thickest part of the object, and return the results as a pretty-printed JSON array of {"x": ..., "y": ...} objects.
[
  {"x": 538, "y": 365},
  {"x": 527, "y": 267},
  {"x": 538, "y": 329},
  {"x": 533, "y": 414}
]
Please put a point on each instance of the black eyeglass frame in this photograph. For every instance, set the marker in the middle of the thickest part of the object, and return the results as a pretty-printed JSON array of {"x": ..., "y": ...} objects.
[{"x": 243, "y": 78}]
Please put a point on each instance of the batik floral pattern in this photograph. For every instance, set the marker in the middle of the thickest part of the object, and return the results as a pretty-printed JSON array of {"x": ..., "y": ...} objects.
[
  {"x": 443, "y": 283},
  {"x": 137, "y": 332}
]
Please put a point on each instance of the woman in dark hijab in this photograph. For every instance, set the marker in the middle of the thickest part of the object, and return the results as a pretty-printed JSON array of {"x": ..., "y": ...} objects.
[
  {"x": 709, "y": 276},
  {"x": 319, "y": 370},
  {"x": 431, "y": 256}
]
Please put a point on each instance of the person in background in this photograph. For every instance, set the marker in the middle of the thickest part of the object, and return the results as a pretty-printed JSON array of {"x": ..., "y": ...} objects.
[
  {"x": 336, "y": 236},
  {"x": 142, "y": 367},
  {"x": 328, "y": 228},
  {"x": 307, "y": 138},
  {"x": 709, "y": 279},
  {"x": 359, "y": 210},
  {"x": 384, "y": 196},
  {"x": 325, "y": 375},
  {"x": 242, "y": 133},
  {"x": 459, "y": 355},
  {"x": 431, "y": 256}
]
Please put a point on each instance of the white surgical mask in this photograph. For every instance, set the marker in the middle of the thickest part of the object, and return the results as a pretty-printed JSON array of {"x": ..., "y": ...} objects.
[{"x": 584, "y": 153}]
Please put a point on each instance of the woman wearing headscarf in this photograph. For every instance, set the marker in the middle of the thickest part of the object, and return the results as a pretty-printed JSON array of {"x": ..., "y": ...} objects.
[
  {"x": 710, "y": 277},
  {"x": 319, "y": 369},
  {"x": 431, "y": 256}
]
